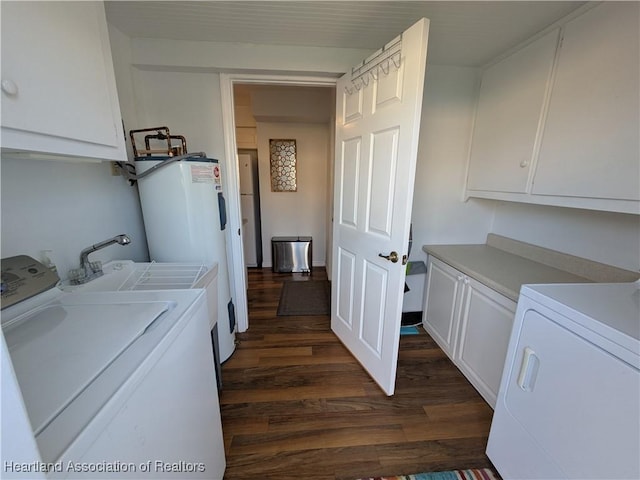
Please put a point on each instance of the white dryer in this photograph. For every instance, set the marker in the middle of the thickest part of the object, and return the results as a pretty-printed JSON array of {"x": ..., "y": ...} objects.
[
  {"x": 569, "y": 400},
  {"x": 114, "y": 385}
]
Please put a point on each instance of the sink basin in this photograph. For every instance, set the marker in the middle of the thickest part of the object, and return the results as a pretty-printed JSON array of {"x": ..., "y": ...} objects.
[
  {"x": 128, "y": 275},
  {"x": 115, "y": 274}
]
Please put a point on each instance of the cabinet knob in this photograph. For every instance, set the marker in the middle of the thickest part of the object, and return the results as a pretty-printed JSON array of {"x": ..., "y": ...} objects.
[
  {"x": 524, "y": 163},
  {"x": 9, "y": 87}
]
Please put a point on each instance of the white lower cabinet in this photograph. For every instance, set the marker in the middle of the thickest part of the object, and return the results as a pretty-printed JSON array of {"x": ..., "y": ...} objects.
[
  {"x": 471, "y": 323},
  {"x": 442, "y": 299},
  {"x": 486, "y": 318}
]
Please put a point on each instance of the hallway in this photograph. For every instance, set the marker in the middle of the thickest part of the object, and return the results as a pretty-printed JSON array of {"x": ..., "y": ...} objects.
[{"x": 297, "y": 405}]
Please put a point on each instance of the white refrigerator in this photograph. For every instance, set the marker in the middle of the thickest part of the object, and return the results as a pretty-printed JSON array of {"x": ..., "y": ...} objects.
[
  {"x": 184, "y": 215},
  {"x": 249, "y": 206}
]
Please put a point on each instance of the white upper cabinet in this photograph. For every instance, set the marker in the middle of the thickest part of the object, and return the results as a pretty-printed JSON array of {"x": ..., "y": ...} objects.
[
  {"x": 564, "y": 129},
  {"x": 58, "y": 86},
  {"x": 512, "y": 96},
  {"x": 590, "y": 146}
]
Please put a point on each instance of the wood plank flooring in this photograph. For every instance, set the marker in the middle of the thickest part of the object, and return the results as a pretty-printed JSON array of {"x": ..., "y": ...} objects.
[{"x": 296, "y": 404}]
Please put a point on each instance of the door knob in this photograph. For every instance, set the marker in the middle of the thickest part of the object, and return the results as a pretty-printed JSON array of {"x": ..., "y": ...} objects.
[{"x": 392, "y": 257}]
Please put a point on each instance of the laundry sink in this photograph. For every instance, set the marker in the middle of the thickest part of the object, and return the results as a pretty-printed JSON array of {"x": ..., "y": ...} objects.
[
  {"x": 122, "y": 275},
  {"x": 115, "y": 274}
]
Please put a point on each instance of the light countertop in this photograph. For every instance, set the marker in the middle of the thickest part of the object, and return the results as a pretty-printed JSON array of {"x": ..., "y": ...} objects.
[{"x": 500, "y": 270}]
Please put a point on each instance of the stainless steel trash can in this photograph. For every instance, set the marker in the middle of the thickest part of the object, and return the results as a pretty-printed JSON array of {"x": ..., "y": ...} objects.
[{"x": 291, "y": 254}]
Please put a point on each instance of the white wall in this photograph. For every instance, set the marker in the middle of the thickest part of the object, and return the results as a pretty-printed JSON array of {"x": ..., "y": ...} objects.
[
  {"x": 276, "y": 105},
  {"x": 292, "y": 104},
  {"x": 188, "y": 103},
  {"x": 303, "y": 212},
  {"x": 439, "y": 215},
  {"x": 249, "y": 58},
  {"x": 612, "y": 238},
  {"x": 66, "y": 207}
]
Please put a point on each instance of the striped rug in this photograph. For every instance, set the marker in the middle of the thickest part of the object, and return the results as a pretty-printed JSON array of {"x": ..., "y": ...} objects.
[{"x": 469, "y": 474}]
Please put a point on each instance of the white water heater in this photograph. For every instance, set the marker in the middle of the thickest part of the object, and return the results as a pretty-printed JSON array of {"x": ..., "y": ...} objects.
[{"x": 185, "y": 219}]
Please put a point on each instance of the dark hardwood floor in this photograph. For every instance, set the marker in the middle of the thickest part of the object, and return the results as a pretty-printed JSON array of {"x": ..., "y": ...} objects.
[{"x": 297, "y": 405}]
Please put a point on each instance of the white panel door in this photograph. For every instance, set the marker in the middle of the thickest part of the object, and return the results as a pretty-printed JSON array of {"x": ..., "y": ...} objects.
[{"x": 377, "y": 126}]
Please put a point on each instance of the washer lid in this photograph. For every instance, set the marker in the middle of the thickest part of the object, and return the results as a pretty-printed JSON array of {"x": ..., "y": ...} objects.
[{"x": 59, "y": 349}]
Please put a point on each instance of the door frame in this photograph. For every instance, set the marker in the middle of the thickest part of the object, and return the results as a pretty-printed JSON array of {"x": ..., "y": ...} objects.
[{"x": 231, "y": 176}]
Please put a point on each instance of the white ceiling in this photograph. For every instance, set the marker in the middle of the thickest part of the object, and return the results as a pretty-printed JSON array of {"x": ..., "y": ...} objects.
[{"x": 462, "y": 33}]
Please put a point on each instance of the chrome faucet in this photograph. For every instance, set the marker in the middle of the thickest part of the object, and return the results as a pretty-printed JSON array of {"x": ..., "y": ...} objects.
[{"x": 86, "y": 268}]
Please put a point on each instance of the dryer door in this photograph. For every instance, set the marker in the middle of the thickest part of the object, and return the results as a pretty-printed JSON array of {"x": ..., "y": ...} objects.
[{"x": 576, "y": 403}]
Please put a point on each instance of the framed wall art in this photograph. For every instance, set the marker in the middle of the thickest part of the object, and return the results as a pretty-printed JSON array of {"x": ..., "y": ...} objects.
[{"x": 283, "y": 165}]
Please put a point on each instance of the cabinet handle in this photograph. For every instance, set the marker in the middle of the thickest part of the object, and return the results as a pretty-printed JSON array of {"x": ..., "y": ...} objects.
[
  {"x": 9, "y": 87},
  {"x": 528, "y": 370},
  {"x": 460, "y": 278}
]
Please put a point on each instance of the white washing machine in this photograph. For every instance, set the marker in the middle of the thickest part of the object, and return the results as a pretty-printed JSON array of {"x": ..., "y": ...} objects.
[
  {"x": 569, "y": 400},
  {"x": 126, "y": 275},
  {"x": 114, "y": 385}
]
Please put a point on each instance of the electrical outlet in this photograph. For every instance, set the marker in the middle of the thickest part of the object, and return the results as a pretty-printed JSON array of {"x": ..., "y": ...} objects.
[{"x": 115, "y": 169}]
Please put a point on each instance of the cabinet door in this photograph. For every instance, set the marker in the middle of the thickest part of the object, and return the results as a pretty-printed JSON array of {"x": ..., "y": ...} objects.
[
  {"x": 510, "y": 105},
  {"x": 246, "y": 137},
  {"x": 244, "y": 116},
  {"x": 443, "y": 287},
  {"x": 485, "y": 327},
  {"x": 58, "y": 84},
  {"x": 590, "y": 146}
]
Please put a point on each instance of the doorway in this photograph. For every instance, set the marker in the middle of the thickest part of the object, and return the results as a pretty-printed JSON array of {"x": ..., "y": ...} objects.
[{"x": 282, "y": 213}]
